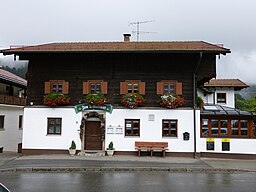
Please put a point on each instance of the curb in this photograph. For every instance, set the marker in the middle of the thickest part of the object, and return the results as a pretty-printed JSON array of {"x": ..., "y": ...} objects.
[{"x": 122, "y": 169}]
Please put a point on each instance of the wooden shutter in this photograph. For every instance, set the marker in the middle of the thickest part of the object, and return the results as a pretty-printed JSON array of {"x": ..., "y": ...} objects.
[
  {"x": 178, "y": 88},
  {"x": 123, "y": 88},
  {"x": 159, "y": 88},
  {"x": 47, "y": 87},
  {"x": 65, "y": 87},
  {"x": 142, "y": 86},
  {"x": 104, "y": 87},
  {"x": 86, "y": 88}
]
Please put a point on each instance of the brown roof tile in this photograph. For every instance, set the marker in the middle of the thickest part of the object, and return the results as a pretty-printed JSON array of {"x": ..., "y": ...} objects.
[
  {"x": 175, "y": 46},
  {"x": 226, "y": 83},
  {"x": 10, "y": 77}
]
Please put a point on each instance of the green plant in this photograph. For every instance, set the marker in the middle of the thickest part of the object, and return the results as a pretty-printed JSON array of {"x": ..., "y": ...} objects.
[
  {"x": 73, "y": 145},
  {"x": 56, "y": 99},
  {"x": 111, "y": 146},
  {"x": 132, "y": 101},
  {"x": 98, "y": 99},
  {"x": 171, "y": 101},
  {"x": 199, "y": 102}
]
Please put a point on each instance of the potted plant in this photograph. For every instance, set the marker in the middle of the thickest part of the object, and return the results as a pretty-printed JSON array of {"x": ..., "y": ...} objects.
[
  {"x": 132, "y": 101},
  {"x": 97, "y": 99},
  {"x": 110, "y": 149},
  {"x": 199, "y": 102},
  {"x": 171, "y": 101},
  {"x": 72, "y": 148},
  {"x": 56, "y": 99}
]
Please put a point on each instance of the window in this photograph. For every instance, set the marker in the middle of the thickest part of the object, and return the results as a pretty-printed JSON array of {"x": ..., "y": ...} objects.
[
  {"x": 132, "y": 86},
  {"x": 169, "y": 128},
  {"x": 20, "y": 121},
  {"x": 95, "y": 86},
  {"x": 132, "y": 127},
  {"x": 221, "y": 97},
  {"x": 1, "y": 121},
  {"x": 169, "y": 87},
  {"x": 205, "y": 127},
  {"x": 217, "y": 127},
  {"x": 58, "y": 86},
  {"x": 54, "y": 126},
  {"x": 9, "y": 90}
]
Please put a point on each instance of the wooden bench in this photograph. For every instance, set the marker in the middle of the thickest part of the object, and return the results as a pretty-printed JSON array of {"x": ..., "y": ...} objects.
[{"x": 151, "y": 146}]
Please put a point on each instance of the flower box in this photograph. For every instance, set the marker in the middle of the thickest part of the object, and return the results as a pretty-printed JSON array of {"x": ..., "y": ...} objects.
[
  {"x": 171, "y": 101},
  {"x": 56, "y": 99},
  {"x": 97, "y": 99},
  {"x": 132, "y": 101}
]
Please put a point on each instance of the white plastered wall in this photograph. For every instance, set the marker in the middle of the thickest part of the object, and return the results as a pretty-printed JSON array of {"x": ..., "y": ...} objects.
[
  {"x": 151, "y": 130},
  {"x": 241, "y": 146},
  {"x": 35, "y": 128},
  {"x": 11, "y": 135},
  {"x": 209, "y": 98}
]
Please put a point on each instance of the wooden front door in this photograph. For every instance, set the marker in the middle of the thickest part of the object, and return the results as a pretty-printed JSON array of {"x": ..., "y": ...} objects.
[{"x": 92, "y": 135}]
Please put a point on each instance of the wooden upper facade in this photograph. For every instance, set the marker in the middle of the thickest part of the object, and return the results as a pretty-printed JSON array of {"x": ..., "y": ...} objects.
[{"x": 148, "y": 68}]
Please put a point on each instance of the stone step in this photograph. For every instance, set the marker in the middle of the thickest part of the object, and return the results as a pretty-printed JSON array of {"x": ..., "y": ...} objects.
[{"x": 89, "y": 153}]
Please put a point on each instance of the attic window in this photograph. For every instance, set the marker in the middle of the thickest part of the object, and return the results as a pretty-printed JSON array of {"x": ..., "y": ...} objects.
[{"x": 221, "y": 98}]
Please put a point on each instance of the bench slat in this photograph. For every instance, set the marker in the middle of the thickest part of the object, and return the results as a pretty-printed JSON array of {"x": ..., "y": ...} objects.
[{"x": 151, "y": 146}]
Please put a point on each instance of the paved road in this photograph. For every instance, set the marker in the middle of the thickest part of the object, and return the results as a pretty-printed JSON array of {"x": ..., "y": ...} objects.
[
  {"x": 129, "y": 181},
  {"x": 121, "y": 163}
]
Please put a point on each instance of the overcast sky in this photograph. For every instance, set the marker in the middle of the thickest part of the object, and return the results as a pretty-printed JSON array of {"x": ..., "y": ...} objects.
[{"x": 228, "y": 22}]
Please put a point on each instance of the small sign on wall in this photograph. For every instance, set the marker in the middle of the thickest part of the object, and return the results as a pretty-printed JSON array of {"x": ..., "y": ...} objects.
[
  {"x": 225, "y": 144},
  {"x": 210, "y": 144},
  {"x": 186, "y": 136},
  {"x": 114, "y": 129}
]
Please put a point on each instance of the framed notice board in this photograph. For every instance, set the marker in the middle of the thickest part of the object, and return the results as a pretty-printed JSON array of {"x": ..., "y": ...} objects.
[
  {"x": 210, "y": 144},
  {"x": 225, "y": 144}
]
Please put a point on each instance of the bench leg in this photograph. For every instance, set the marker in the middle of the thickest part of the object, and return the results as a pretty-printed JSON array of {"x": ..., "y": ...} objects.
[
  {"x": 151, "y": 152},
  {"x": 163, "y": 153},
  {"x": 139, "y": 153}
]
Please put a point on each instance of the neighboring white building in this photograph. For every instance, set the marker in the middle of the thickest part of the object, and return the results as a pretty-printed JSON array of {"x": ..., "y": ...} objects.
[
  {"x": 12, "y": 102},
  {"x": 221, "y": 91}
]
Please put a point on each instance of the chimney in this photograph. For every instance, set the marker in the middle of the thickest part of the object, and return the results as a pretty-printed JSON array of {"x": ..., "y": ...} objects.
[{"x": 127, "y": 37}]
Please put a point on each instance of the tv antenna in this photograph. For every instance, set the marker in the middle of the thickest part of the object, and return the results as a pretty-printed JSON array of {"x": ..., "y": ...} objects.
[{"x": 137, "y": 31}]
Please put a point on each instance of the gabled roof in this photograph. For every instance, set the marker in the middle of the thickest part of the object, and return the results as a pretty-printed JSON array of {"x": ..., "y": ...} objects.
[
  {"x": 6, "y": 76},
  {"x": 173, "y": 46},
  {"x": 236, "y": 83}
]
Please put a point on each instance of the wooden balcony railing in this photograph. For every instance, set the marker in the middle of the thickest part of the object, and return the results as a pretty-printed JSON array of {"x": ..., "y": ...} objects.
[{"x": 12, "y": 100}]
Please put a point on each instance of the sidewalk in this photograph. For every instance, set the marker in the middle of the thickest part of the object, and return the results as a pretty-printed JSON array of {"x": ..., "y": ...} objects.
[{"x": 66, "y": 163}]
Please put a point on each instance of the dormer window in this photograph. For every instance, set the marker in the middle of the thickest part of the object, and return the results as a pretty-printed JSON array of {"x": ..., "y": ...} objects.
[{"x": 221, "y": 98}]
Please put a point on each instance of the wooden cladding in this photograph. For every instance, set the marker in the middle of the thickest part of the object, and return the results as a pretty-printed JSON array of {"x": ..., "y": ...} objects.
[
  {"x": 132, "y": 86},
  {"x": 95, "y": 86},
  {"x": 169, "y": 87},
  {"x": 60, "y": 86}
]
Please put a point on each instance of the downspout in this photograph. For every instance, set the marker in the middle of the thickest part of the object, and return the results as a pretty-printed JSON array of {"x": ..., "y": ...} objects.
[{"x": 194, "y": 99}]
